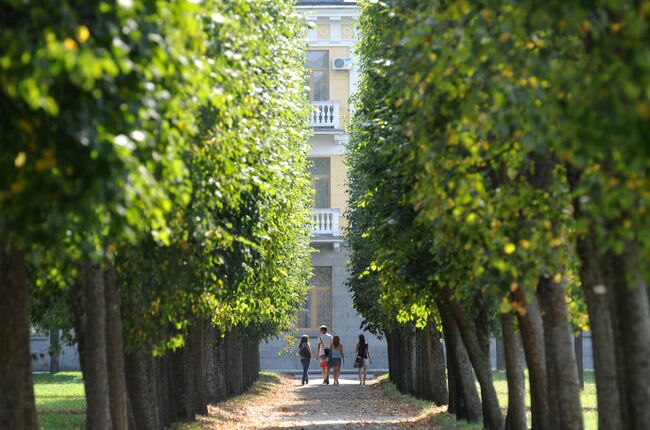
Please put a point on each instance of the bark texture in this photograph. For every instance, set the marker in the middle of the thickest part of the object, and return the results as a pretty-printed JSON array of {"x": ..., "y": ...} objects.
[
  {"x": 465, "y": 401},
  {"x": 17, "y": 409},
  {"x": 597, "y": 296},
  {"x": 532, "y": 334},
  {"x": 115, "y": 352},
  {"x": 480, "y": 359},
  {"x": 55, "y": 350},
  {"x": 514, "y": 363},
  {"x": 234, "y": 363},
  {"x": 634, "y": 317},
  {"x": 216, "y": 367},
  {"x": 562, "y": 371},
  {"x": 199, "y": 367},
  {"x": 143, "y": 389},
  {"x": 95, "y": 368}
]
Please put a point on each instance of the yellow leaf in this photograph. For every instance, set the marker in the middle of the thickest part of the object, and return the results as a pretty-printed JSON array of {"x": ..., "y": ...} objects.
[
  {"x": 524, "y": 244},
  {"x": 514, "y": 287},
  {"x": 83, "y": 33},
  {"x": 70, "y": 44},
  {"x": 556, "y": 242},
  {"x": 20, "y": 159},
  {"x": 509, "y": 248},
  {"x": 557, "y": 278},
  {"x": 471, "y": 218}
]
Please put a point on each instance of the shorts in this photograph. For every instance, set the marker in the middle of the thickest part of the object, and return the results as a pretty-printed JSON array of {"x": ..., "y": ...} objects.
[
  {"x": 335, "y": 362},
  {"x": 323, "y": 362}
]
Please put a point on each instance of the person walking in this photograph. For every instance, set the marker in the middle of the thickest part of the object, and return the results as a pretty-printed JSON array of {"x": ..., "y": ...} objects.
[
  {"x": 304, "y": 351},
  {"x": 336, "y": 358},
  {"x": 323, "y": 352},
  {"x": 363, "y": 359}
]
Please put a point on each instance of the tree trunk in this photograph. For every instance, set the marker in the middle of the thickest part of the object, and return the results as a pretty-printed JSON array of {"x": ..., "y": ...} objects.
[
  {"x": 492, "y": 418},
  {"x": 143, "y": 387},
  {"x": 183, "y": 388},
  {"x": 532, "y": 335},
  {"x": 17, "y": 409},
  {"x": 501, "y": 358},
  {"x": 95, "y": 370},
  {"x": 436, "y": 366},
  {"x": 55, "y": 350},
  {"x": 602, "y": 331},
  {"x": 453, "y": 405},
  {"x": 168, "y": 399},
  {"x": 407, "y": 360},
  {"x": 256, "y": 359},
  {"x": 216, "y": 370},
  {"x": 578, "y": 343},
  {"x": 467, "y": 404},
  {"x": 199, "y": 367},
  {"x": 388, "y": 334},
  {"x": 562, "y": 371},
  {"x": 395, "y": 364},
  {"x": 514, "y": 361},
  {"x": 234, "y": 369},
  {"x": 115, "y": 351},
  {"x": 430, "y": 367},
  {"x": 634, "y": 315}
]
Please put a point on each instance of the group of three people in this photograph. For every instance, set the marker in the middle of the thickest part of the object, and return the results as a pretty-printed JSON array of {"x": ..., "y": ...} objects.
[{"x": 331, "y": 356}]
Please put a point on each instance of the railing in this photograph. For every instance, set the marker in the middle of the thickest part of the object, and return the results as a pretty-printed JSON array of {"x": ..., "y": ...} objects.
[
  {"x": 325, "y": 114},
  {"x": 325, "y": 222}
]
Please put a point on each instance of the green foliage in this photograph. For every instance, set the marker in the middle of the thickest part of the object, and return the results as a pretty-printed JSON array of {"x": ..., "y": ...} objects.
[
  {"x": 97, "y": 102},
  {"x": 168, "y": 139},
  {"x": 479, "y": 128},
  {"x": 240, "y": 249}
]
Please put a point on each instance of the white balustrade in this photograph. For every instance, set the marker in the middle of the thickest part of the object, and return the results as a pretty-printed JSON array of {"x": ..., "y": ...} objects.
[
  {"x": 325, "y": 222},
  {"x": 325, "y": 114}
]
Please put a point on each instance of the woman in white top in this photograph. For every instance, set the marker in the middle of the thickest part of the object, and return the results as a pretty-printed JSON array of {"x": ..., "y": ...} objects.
[{"x": 323, "y": 352}]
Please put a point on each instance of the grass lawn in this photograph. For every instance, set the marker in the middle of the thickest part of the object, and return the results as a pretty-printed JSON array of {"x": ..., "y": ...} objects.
[
  {"x": 60, "y": 400},
  {"x": 448, "y": 422}
]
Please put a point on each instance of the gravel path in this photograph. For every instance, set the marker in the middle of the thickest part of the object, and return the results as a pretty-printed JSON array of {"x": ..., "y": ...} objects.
[{"x": 285, "y": 403}]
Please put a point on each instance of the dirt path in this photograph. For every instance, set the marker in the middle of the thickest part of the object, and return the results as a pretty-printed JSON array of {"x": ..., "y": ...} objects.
[{"x": 281, "y": 402}]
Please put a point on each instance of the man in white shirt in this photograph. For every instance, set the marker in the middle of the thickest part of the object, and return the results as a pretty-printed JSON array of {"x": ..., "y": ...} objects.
[{"x": 323, "y": 352}]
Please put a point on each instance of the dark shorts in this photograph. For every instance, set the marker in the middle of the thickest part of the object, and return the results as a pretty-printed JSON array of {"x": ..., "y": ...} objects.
[{"x": 335, "y": 362}]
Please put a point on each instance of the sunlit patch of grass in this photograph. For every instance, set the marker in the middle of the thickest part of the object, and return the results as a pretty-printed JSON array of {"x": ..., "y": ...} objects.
[
  {"x": 587, "y": 397},
  {"x": 60, "y": 400}
]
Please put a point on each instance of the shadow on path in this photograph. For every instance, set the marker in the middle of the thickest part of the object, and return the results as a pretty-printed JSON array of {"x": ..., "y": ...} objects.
[{"x": 290, "y": 405}]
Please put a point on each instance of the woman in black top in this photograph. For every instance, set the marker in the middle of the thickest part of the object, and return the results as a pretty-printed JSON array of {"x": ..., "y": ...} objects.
[
  {"x": 363, "y": 358},
  {"x": 304, "y": 350}
]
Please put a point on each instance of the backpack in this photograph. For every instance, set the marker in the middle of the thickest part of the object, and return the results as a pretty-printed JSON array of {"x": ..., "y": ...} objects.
[{"x": 304, "y": 351}]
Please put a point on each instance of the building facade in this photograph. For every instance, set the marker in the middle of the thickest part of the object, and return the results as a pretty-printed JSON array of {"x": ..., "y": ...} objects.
[{"x": 332, "y": 78}]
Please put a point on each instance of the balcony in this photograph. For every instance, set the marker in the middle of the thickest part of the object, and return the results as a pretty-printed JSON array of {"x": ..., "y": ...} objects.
[
  {"x": 324, "y": 114},
  {"x": 325, "y": 222}
]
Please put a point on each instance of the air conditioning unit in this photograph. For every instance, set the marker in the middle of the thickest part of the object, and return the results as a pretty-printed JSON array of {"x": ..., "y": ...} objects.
[{"x": 342, "y": 63}]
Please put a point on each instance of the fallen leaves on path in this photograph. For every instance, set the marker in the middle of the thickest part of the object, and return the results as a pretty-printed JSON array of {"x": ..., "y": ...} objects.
[{"x": 286, "y": 404}]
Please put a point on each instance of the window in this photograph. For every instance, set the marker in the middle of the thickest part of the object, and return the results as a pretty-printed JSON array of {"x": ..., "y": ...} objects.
[
  {"x": 320, "y": 174},
  {"x": 318, "y": 65},
  {"x": 318, "y": 306}
]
